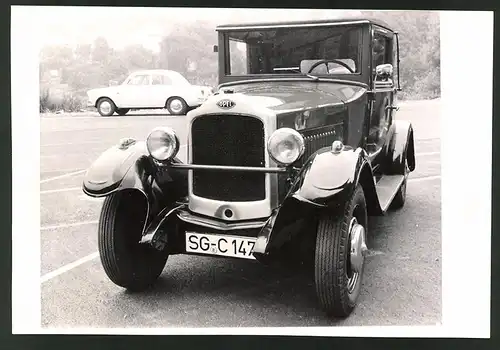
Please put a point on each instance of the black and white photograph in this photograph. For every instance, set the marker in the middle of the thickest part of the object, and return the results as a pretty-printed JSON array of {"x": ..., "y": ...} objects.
[{"x": 250, "y": 171}]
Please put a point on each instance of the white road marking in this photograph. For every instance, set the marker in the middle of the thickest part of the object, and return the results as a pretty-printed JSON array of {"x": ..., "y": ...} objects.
[
  {"x": 62, "y": 176},
  {"x": 80, "y": 223},
  {"x": 74, "y": 143},
  {"x": 432, "y": 139},
  {"x": 426, "y": 154},
  {"x": 68, "y": 267},
  {"x": 84, "y": 197},
  {"x": 424, "y": 178},
  {"x": 69, "y": 189},
  {"x": 374, "y": 253}
]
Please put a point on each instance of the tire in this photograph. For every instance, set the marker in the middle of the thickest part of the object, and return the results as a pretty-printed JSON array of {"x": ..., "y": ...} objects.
[
  {"x": 336, "y": 291},
  {"x": 106, "y": 107},
  {"x": 122, "y": 111},
  {"x": 126, "y": 262},
  {"x": 176, "y": 106},
  {"x": 400, "y": 198}
]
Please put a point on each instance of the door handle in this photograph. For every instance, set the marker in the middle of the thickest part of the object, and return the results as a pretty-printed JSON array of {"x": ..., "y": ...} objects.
[{"x": 392, "y": 108}]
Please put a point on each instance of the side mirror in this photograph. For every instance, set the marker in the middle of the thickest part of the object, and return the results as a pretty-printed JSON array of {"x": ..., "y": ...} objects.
[
  {"x": 216, "y": 48},
  {"x": 384, "y": 71}
]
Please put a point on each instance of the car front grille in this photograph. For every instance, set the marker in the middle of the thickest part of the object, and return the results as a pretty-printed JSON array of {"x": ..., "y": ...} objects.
[{"x": 230, "y": 140}]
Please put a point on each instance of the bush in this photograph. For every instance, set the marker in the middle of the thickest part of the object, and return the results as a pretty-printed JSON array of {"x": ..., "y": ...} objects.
[
  {"x": 44, "y": 100},
  {"x": 68, "y": 103}
]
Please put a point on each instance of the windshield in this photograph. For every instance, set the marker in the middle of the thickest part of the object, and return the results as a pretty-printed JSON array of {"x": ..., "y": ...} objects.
[{"x": 295, "y": 50}]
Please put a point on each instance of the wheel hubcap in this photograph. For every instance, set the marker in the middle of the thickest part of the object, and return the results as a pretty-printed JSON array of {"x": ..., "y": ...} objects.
[
  {"x": 105, "y": 107},
  {"x": 357, "y": 253},
  {"x": 176, "y": 106}
]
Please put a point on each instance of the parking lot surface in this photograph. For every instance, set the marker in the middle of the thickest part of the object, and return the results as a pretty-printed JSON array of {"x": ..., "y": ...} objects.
[{"x": 402, "y": 282}]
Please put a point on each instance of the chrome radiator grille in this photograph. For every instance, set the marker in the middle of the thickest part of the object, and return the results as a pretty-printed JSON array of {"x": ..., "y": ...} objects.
[{"x": 230, "y": 140}]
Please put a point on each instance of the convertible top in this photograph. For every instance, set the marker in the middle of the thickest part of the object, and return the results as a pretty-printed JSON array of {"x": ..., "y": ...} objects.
[{"x": 321, "y": 22}]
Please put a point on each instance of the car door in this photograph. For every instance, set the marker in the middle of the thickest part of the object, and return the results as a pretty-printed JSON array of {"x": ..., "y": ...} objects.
[
  {"x": 135, "y": 93},
  {"x": 161, "y": 89},
  {"x": 381, "y": 109}
]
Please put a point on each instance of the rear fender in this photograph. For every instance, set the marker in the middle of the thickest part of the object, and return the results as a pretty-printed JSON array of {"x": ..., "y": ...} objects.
[
  {"x": 129, "y": 167},
  {"x": 401, "y": 145},
  {"x": 325, "y": 182}
]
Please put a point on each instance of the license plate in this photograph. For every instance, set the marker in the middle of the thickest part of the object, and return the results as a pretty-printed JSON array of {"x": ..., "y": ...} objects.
[{"x": 231, "y": 246}]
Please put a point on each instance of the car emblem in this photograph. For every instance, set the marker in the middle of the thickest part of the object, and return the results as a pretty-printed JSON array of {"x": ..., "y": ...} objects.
[{"x": 226, "y": 104}]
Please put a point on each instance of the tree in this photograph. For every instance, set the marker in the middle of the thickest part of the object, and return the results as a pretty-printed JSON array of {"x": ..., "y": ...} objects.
[
  {"x": 83, "y": 53},
  {"x": 187, "y": 45},
  {"x": 101, "y": 51}
]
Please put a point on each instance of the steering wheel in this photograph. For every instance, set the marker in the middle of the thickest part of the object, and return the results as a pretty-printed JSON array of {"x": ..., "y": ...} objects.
[{"x": 325, "y": 62}]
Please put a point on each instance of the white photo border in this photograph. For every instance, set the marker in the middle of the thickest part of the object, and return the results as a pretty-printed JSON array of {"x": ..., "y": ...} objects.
[{"x": 466, "y": 172}]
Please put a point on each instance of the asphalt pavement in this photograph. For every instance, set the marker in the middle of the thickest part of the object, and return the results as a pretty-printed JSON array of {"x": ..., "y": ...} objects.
[{"x": 402, "y": 282}]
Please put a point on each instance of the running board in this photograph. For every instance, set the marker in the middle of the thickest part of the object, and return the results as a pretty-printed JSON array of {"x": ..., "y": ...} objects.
[{"x": 387, "y": 187}]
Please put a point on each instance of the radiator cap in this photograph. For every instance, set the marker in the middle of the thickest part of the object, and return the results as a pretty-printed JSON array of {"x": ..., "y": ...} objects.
[{"x": 337, "y": 146}]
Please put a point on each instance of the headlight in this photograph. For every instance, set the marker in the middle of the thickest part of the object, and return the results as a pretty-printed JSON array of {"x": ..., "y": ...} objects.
[
  {"x": 162, "y": 144},
  {"x": 285, "y": 146}
]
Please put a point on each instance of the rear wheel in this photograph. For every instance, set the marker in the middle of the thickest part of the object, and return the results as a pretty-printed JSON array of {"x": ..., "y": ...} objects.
[
  {"x": 106, "y": 107},
  {"x": 176, "y": 106},
  {"x": 339, "y": 258},
  {"x": 126, "y": 262},
  {"x": 122, "y": 111}
]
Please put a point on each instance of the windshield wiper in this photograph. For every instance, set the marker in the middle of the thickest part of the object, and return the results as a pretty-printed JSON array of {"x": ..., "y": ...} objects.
[{"x": 296, "y": 70}]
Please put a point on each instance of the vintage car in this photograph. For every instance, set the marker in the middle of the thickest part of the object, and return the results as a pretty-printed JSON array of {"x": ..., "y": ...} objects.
[
  {"x": 149, "y": 89},
  {"x": 285, "y": 162}
]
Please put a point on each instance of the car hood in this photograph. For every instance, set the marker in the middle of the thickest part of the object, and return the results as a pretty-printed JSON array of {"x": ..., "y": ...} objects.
[{"x": 288, "y": 96}]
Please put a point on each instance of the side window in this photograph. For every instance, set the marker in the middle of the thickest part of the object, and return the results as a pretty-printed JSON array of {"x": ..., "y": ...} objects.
[
  {"x": 379, "y": 50},
  {"x": 382, "y": 52},
  {"x": 142, "y": 79},
  {"x": 160, "y": 79},
  {"x": 157, "y": 80},
  {"x": 394, "y": 58},
  {"x": 238, "y": 57}
]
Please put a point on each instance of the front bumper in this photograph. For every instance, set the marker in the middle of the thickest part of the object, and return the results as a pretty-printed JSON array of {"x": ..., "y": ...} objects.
[{"x": 204, "y": 225}]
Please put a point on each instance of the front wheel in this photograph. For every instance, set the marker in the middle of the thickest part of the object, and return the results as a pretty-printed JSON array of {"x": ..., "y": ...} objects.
[
  {"x": 339, "y": 257},
  {"x": 106, "y": 107},
  {"x": 126, "y": 262},
  {"x": 176, "y": 106}
]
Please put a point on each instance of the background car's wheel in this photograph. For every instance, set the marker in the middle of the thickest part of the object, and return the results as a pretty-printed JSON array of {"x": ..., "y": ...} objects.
[
  {"x": 339, "y": 258},
  {"x": 176, "y": 106},
  {"x": 122, "y": 111},
  {"x": 106, "y": 107},
  {"x": 400, "y": 197},
  {"x": 126, "y": 262}
]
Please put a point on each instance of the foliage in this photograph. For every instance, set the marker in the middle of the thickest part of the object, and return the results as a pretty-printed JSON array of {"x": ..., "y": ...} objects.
[
  {"x": 69, "y": 102},
  {"x": 188, "y": 50},
  {"x": 419, "y": 51}
]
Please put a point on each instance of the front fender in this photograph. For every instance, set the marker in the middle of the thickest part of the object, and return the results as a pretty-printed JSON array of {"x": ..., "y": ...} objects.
[
  {"x": 117, "y": 168},
  {"x": 130, "y": 167},
  {"x": 327, "y": 180}
]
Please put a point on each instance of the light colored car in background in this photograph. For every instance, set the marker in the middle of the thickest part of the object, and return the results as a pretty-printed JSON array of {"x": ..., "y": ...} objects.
[{"x": 149, "y": 89}]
